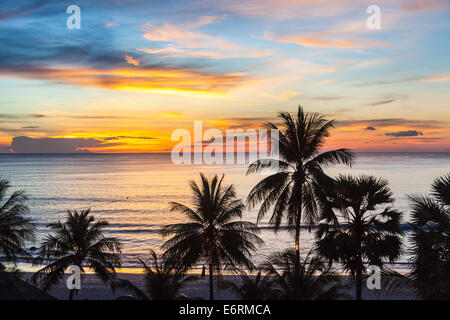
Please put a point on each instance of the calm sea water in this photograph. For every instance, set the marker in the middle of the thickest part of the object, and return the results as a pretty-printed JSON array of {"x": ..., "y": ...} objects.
[{"x": 132, "y": 191}]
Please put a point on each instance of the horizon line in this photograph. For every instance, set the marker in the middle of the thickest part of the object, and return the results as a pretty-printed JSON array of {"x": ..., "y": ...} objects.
[{"x": 168, "y": 153}]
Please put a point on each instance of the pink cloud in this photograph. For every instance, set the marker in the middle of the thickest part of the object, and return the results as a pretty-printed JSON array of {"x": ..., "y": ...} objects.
[
  {"x": 309, "y": 41},
  {"x": 435, "y": 78},
  {"x": 131, "y": 60},
  {"x": 422, "y": 5},
  {"x": 186, "y": 41},
  {"x": 186, "y": 35}
]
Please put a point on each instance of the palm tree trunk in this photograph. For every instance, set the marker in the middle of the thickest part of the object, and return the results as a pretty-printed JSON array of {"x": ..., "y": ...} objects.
[
  {"x": 297, "y": 259},
  {"x": 359, "y": 269},
  {"x": 297, "y": 243},
  {"x": 358, "y": 280},
  {"x": 211, "y": 283},
  {"x": 358, "y": 287},
  {"x": 72, "y": 291}
]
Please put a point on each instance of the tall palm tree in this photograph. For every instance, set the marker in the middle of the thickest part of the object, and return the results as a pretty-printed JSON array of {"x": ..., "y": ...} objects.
[
  {"x": 317, "y": 281},
  {"x": 15, "y": 227},
  {"x": 294, "y": 191},
  {"x": 79, "y": 241},
  {"x": 250, "y": 288},
  {"x": 162, "y": 281},
  {"x": 213, "y": 234},
  {"x": 359, "y": 223},
  {"x": 431, "y": 241}
]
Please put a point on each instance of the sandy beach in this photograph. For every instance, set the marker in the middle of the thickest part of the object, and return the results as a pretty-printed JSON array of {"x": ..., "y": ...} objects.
[{"x": 93, "y": 289}]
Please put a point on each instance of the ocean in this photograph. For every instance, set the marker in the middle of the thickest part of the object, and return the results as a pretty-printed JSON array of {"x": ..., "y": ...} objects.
[{"x": 132, "y": 192}]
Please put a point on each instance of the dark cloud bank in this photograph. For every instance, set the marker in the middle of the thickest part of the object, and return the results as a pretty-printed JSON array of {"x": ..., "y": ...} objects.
[
  {"x": 55, "y": 145},
  {"x": 410, "y": 133},
  {"x": 24, "y": 144}
]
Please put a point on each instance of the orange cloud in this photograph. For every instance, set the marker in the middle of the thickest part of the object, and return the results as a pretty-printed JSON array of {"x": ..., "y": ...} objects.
[
  {"x": 436, "y": 78},
  {"x": 131, "y": 60},
  {"x": 309, "y": 41},
  {"x": 165, "y": 81},
  {"x": 286, "y": 95},
  {"x": 169, "y": 114},
  {"x": 380, "y": 138}
]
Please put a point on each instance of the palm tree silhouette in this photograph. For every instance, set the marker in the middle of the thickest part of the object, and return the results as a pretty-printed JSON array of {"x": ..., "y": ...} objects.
[
  {"x": 15, "y": 228},
  {"x": 212, "y": 233},
  {"x": 162, "y": 281},
  {"x": 250, "y": 288},
  {"x": 431, "y": 241},
  {"x": 357, "y": 230},
  {"x": 294, "y": 190},
  {"x": 78, "y": 241},
  {"x": 316, "y": 280}
]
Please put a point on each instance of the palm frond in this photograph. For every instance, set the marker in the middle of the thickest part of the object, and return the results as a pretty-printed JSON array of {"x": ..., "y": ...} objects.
[{"x": 79, "y": 240}]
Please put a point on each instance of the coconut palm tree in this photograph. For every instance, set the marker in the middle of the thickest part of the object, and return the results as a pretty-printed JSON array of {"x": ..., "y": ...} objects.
[
  {"x": 212, "y": 233},
  {"x": 317, "y": 281},
  {"x": 15, "y": 227},
  {"x": 294, "y": 191},
  {"x": 251, "y": 288},
  {"x": 430, "y": 240},
  {"x": 360, "y": 224},
  {"x": 162, "y": 281},
  {"x": 79, "y": 241}
]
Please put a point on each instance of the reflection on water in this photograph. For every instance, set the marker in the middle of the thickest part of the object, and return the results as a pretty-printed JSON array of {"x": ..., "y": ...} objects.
[{"x": 132, "y": 191}]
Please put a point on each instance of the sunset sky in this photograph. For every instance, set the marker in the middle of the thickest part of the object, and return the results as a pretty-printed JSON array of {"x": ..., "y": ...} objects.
[{"x": 138, "y": 70}]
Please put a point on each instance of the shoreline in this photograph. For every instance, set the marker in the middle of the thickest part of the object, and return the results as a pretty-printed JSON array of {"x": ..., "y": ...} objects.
[
  {"x": 93, "y": 289},
  {"x": 26, "y": 268}
]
